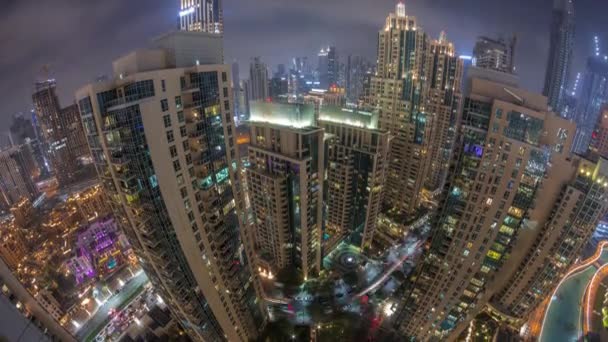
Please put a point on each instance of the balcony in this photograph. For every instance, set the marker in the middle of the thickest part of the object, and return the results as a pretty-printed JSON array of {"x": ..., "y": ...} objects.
[{"x": 122, "y": 102}]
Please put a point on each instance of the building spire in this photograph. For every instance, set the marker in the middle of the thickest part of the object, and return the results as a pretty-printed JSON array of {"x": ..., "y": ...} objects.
[{"x": 400, "y": 9}]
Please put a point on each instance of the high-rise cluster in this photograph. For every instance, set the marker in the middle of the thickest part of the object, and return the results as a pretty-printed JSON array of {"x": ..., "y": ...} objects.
[
  {"x": 416, "y": 92},
  {"x": 340, "y": 165}
]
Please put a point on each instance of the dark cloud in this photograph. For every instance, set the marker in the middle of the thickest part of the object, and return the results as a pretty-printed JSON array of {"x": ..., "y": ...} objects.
[{"x": 80, "y": 38}]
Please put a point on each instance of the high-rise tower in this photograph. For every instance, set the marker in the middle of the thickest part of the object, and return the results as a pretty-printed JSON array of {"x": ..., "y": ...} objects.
[
  {"x": 357, "y": 161},
  {"x": 495, "y": 54},
  {"x": 328, "y": 67},
  {"x": 395, "y": 91},
  {"x": 258, "y": 80},
  {"x": 572, "y": 201},
  {"x": 594, "y": 93},
  {"x": 201, "y": 16},
  {"x": 504, "y": 143},
  {"x": 56, "y": 129},
  {"x": 560, "y": 53},
  {"x": 416, "y": 93},
  {"x": 162, "y": 136},
  {"x": 443, "y": 73},
  {"x": 285, "y": 187}
]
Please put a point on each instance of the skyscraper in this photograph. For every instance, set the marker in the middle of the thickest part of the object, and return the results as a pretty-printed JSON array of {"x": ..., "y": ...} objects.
[
  {"x": 357, "y": 161},
  {"x": 415, "y": 90},
  {"x": 62, "y": 132},
  {"x": 285, "y": 187},
  {"x": 396, "y": 92},
  {"x": 560, "y": 53},
  {"x": 72, "y": 126},
  {"x": 357, "y": 69},
  {"x": 594, "y": 93},
  {"x": 258, "y": 80},
  {"x": 495, "y": 54},
  {"x": 278, "y": 86},
  {"x": 570, "y": 205},
  {"x": 503, "y": 147},
  {"x": 17, "y": 166},
  {"x": 162, "y": 136},
  {"x": 444, "y": 72},
  {"x": 328, "y": 67},
  {"x": 201, "y": 16}
]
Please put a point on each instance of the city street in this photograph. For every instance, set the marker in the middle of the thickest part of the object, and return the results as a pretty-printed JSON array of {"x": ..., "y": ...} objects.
[
  {"x": 99, "y": 319},
  {"x": 318, "y": 299}
]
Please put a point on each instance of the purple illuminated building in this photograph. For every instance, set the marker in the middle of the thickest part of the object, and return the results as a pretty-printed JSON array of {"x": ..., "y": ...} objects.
[{"x": 99, "y": 250}]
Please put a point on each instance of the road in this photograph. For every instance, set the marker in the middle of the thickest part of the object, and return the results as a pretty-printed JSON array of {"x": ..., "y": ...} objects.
[
  {"x": 99, "y": 318},
  {"x": 408, "y": 253},
  {"x": 395, "y": 258}
]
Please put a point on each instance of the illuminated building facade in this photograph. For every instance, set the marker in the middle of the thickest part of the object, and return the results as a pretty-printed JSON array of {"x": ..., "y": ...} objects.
[
  {"x": 91, "y": 203},
  {"x": 162, "y": 136},
  {"x": 61, "y": 131},
  {"x": 72, "y": 126},
  {"x": 560, "y": 54},
  {"x": 566, "y": 218},
  {"x": 503, "y": 147},
  {"x": 98, "y": 250},
  {"x": 23, "y": 213},
  {"x": 285, "y": 187},
  {"x": 357, "y": 161},
  {"x": 201, "y": 16},
  {"x": 396, "y": 92},
  {"x": 13, "y": 247},
  {"x": 495, "y": 54},
  {"x": 416, "y": 91},
  {"x": 16, "y": 168},
  {"x": 443, "y": 72},
  {"x": 50, "y": 304}
]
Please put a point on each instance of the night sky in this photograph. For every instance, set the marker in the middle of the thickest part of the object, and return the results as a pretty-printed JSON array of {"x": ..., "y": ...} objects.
[{"x": 79, "y": 39}]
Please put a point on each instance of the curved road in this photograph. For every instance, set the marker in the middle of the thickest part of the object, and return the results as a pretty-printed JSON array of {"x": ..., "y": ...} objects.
[
  {"x": 562, "y": 320},
  {"x": 410, "y": 251}
]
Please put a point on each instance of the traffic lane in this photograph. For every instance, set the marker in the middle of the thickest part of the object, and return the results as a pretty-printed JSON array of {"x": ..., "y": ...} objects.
[{"x": 101, "y": 315}]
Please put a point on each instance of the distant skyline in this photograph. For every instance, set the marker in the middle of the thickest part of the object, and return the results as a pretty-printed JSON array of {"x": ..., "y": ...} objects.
[{"x": 79, "y": 43}]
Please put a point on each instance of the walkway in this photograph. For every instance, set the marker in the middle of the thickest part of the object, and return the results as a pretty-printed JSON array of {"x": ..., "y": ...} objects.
[{"x": 562, "y": 321}]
